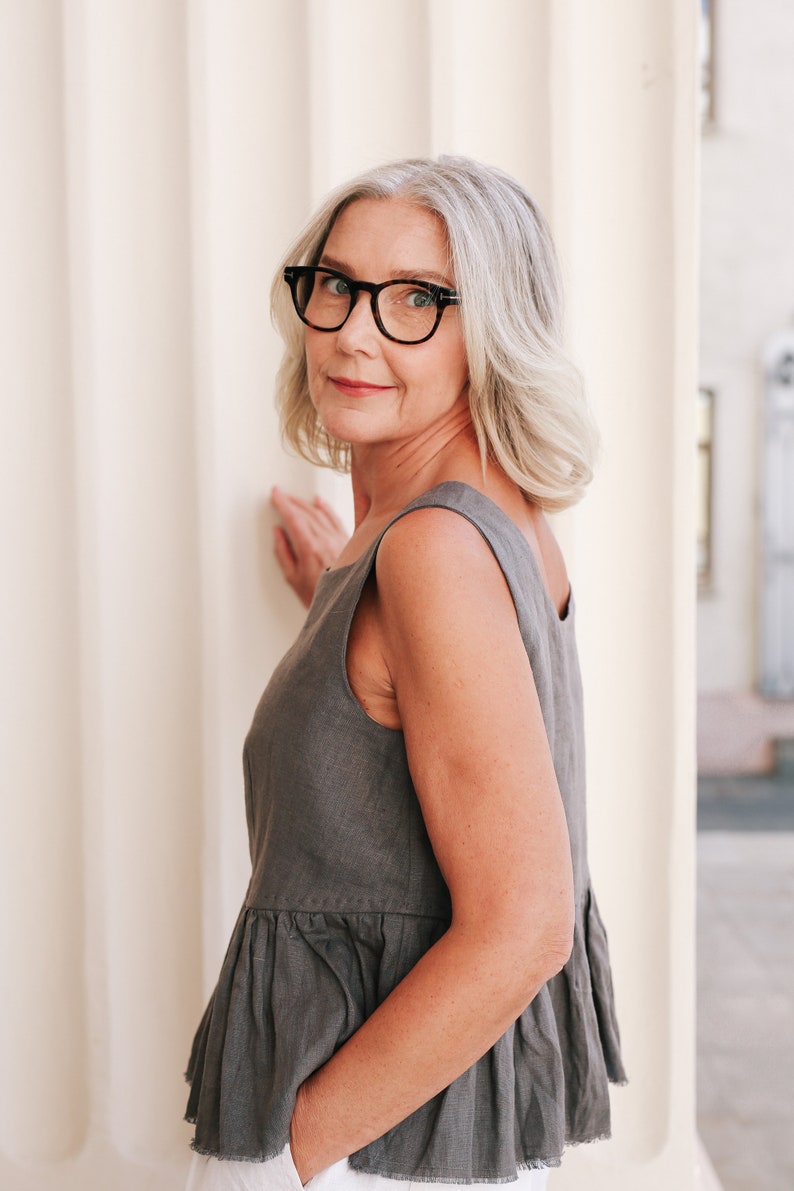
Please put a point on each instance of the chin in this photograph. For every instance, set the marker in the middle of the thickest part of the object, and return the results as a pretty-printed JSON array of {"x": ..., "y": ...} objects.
[{"x": 350, "y": 426}]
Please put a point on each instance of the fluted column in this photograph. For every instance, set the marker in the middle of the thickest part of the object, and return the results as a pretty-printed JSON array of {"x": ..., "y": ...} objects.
[
  {"x": 624, "y": 202},
  {"x": 43, "y": 1026}
]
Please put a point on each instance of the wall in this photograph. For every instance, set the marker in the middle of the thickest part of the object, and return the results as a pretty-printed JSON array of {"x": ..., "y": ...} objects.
[{"x": 160, "y": 154}]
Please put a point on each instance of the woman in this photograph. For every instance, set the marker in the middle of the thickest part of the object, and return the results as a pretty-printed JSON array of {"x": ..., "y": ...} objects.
[{"x": 418, "y": 985}]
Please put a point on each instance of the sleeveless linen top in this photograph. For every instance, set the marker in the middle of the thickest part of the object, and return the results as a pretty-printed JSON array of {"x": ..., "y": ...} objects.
[{"x": 346, "y": 896}]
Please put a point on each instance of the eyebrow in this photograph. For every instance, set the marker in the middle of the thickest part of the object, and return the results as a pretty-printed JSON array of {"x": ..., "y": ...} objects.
[{"x": 415, "y": 274}]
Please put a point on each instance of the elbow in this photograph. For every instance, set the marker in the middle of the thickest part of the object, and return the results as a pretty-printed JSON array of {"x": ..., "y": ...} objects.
[
  {"x": 538, "y": 951},
  {"x": 555, "y": 953},
  {"x": 538, "y": 960},
  {"x": 519, "y": 943},
  {"x": 549, "y": 948}
]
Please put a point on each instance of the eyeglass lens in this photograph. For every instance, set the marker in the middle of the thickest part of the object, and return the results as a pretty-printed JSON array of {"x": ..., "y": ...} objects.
[{"x": 407, "y": 311}]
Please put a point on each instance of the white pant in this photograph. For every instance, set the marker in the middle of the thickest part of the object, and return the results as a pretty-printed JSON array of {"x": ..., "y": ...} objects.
[{"x": 279, "y": 1174}]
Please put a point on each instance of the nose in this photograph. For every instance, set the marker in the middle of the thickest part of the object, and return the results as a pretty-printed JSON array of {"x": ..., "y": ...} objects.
[{"x": 360, "y": 331}]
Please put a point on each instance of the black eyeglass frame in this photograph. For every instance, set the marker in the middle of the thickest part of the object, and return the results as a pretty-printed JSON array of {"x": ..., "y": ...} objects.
[{"x": 442, "y": 296}]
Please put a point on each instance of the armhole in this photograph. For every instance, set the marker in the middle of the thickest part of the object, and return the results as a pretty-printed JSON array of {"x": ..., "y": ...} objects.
[{"x": 360, "y": 588}]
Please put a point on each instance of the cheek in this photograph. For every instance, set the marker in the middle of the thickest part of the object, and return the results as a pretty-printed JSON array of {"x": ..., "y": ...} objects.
[
  {"x": 310, "y": 355},
  {"x": 314, "y": 356},
  {"x": 444, "y": 365},
  {"x": 317, "y": 343},
  {"x": 463, "y": 368},
  {"x": 456, "y": 366}
]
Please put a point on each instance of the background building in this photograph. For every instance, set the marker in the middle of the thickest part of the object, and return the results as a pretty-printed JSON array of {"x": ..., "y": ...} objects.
[{"x": 746, "y": 542}]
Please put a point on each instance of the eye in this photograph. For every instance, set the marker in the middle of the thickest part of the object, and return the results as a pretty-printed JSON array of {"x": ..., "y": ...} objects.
[
  {"x": 419, "y": 299},
  {"x": 338, "y": 286}
]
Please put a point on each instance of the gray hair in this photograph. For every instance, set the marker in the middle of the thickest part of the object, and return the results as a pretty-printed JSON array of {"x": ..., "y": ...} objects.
[{"x": 525, "y": 393}]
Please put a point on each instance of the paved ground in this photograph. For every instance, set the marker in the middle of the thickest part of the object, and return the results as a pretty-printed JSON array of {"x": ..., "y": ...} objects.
[{"x": 746, "y": 980}]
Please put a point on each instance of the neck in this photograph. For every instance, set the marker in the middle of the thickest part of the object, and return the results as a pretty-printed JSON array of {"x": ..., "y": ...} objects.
[{"x": 388, "y": 476}]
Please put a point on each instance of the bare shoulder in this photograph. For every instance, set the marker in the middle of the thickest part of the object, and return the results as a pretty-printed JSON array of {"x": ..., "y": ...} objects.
[
  {"x": 439, "y": 547},
  {"x": 436, "y": 581},
  {"x": 439, "y": 587}
]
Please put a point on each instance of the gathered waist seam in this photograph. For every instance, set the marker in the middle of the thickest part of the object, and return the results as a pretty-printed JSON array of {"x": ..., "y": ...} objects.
[{"x": 342, "y": 912}]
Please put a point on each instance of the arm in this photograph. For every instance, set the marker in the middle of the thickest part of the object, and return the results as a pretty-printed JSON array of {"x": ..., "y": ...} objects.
[
  {"x": 480, "y": 762},
  {"x": 310, "y": 539}
]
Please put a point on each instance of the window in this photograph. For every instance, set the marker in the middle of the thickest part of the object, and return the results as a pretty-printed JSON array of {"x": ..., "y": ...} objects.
[
  {"x": 706, "y": 62},
  {"x": 705, "y": 435}
]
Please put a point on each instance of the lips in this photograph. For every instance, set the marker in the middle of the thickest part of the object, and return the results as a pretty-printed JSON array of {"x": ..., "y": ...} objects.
[{"x": 357, "y": 388}]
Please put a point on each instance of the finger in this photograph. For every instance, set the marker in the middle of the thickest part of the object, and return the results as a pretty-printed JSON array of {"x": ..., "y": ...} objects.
[
  {"x": 285, "y": 555},
  {"x": 280, "y": 498},
  {"x": 288, "y": 506},
  {"x": 329, "y": 513},
  {"x": 299, "y": 521},
  {"x": 283, "y": 502}
]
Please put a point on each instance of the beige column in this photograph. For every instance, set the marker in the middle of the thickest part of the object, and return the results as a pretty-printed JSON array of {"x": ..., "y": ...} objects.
[
  {"x": 43, "y": 1015},
  {"x": 250, "y": 173},
  {"x": 160, "y": 156},
  {"x": 624, "y": 185}
]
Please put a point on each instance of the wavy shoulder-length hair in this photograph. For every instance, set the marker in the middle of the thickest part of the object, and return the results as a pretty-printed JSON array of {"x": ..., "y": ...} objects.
[{"x": 526, "y": 395}]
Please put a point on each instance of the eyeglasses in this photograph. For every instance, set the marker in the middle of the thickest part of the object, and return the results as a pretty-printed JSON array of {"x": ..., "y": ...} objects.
[{"x": 405, "y": 310}]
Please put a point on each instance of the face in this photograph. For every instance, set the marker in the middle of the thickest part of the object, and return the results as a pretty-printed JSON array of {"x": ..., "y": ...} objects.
[{"x": 367, "y": 389}]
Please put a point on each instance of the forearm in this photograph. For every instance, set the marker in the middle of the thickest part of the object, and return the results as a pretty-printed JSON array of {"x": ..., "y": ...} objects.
[{"x": 447, "y": 1012}]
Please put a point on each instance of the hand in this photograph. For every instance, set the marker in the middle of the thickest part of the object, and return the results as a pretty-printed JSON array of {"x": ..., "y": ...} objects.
[{"x": 309, "y": 540}]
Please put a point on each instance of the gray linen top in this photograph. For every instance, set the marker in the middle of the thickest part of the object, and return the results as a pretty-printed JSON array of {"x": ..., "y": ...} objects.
[{"x": 346, "y": 896}]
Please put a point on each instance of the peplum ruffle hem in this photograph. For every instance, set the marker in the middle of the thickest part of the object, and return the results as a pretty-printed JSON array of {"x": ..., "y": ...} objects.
[{"x": 263, "y": 1033}]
